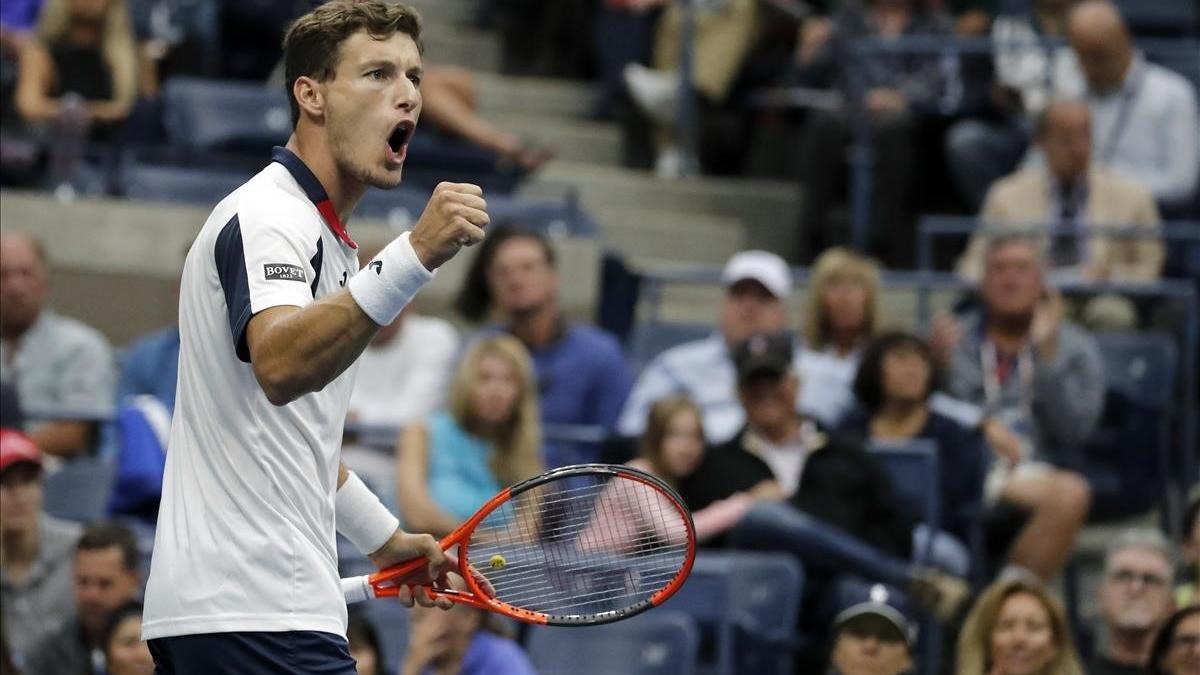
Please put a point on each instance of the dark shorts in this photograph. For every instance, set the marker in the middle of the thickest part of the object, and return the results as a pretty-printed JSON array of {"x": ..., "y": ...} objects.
[{"x": 253, "y": 653}]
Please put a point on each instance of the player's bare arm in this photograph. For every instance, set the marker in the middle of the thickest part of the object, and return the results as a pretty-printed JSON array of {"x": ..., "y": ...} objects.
[{"x": 295, "y": 351}]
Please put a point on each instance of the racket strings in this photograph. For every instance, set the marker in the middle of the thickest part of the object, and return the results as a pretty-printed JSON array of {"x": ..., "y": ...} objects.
[{"x": 583, "y": 545}]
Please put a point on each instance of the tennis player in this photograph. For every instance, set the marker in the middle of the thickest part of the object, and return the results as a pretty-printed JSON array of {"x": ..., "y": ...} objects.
[{"x": 273, "y": 314}]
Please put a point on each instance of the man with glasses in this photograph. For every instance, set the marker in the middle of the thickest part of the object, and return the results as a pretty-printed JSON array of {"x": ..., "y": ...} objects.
[{"x": 1135, "y": 600}]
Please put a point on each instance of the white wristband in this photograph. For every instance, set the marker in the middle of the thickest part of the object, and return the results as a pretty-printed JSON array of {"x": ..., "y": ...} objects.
[
  {"x": 361, "y": 517},
  {"x": 389, "y": 281}
]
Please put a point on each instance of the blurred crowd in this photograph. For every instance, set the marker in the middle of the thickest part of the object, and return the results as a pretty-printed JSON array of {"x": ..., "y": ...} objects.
[{"x": 770, "y": 427}]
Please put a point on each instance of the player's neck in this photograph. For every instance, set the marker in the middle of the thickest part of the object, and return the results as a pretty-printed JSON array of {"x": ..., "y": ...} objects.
[{"x": 343, "y": 191}]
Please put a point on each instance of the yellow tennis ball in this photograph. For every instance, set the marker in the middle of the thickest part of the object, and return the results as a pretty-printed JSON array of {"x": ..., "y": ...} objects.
[{"x": 497, "y": 561}]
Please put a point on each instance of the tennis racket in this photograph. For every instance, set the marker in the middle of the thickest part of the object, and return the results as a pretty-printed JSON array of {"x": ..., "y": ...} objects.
[{"x": 580, "y": 545}]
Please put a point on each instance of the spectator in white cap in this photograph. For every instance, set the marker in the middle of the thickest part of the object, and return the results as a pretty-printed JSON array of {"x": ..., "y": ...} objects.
[
  {"x": 35, "y": 575},
  {"x": 757, "y": 288},
  {"x": 873, "y": 637}
]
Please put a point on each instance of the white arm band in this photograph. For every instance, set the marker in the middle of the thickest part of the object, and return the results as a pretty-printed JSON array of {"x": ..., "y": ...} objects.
[
  {"x": 389, "y": 281},
  {"x": 361, "y": 517}
]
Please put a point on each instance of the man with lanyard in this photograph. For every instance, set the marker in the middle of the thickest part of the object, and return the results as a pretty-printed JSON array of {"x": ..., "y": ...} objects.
[
  {"x": 1041, "y": 376},
  {"x": 1144, "y": 116},
  {"x": 274, "y": 312}
]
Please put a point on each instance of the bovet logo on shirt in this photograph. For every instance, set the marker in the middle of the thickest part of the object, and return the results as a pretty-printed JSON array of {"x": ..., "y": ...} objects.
[{"x": 282, "y": 272}]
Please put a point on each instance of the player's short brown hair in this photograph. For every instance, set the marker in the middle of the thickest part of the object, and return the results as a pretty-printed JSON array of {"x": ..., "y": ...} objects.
[{"x": 312, "y": 44}]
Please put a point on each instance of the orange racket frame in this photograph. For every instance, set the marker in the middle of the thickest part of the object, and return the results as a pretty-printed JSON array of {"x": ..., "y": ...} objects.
[{"x": 382, "y": 584}]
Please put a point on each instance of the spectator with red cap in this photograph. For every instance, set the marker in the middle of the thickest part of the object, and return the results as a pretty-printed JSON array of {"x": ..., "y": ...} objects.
[{"x": 35, "y": 563}]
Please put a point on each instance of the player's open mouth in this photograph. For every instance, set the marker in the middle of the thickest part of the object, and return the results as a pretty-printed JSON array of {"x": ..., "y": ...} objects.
[{"x": 398, "y": 140}]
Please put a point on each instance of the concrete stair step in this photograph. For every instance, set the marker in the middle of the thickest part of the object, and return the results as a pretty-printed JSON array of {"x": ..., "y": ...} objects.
[
  {"x": 439, "y": 13},
  {"x": 573, "y": 140},
  {"x": 646, "y": 236},
  {"x": 499, "y": 94},
  {"x": 769, "y": 209},
  {"x": 457, "y": 45}
]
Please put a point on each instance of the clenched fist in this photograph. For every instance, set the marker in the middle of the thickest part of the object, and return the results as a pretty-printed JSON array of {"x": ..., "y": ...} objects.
[{"x": 454, "y": 217}]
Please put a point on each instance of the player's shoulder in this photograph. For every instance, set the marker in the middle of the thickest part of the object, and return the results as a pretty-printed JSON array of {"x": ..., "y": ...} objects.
[{"x": 272, "y": 200}]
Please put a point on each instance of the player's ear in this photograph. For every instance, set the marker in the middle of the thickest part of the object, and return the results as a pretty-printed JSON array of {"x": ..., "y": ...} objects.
[{"x": 309, "y": 96}]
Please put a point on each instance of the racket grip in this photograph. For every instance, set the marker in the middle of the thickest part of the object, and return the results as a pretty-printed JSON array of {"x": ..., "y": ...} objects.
[{"x": 357, "y": 589}]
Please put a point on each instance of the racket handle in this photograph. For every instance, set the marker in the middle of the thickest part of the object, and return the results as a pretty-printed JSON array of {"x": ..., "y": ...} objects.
[{"x": 357, "y": 589}]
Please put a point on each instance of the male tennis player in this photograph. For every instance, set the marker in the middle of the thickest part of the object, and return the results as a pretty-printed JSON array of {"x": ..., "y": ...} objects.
[{"x": 273, "y": 313}]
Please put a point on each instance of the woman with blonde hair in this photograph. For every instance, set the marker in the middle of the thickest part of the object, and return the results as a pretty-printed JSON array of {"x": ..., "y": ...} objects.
[
  {"x": 843, "y": 304},
  {"x": 1017, "y": 628},
  {"x": 82, "y": 47},
  {"x": 489, "y": 438}
]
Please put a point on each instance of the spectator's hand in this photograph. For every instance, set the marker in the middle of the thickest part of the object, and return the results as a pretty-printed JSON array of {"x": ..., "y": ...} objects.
[
  {"x": 1002, "y": 441},
  {"x": 1047, "y": 317},
  {"x": 972, "y": 23},
  {"x": 885, "y": 102},
  {"x": 944, "y": 337},
  {"x": 454, "y": 218},
  {"x": 815, "y": 34}
]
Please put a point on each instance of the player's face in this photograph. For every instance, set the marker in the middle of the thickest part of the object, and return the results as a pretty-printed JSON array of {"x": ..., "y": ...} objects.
[
  {"x": 521, "y": 278},
  {"x": 497, "y": 388},
  {"x": 372, "y": 105},
  {"x": 1012, "y": 280},
  {"x": 1136, "y": 593},
  {"x": 102, "y": 584},
  {"x": 20, "y": 497},
  {"x": 905, "y": 375},
  {"x": 682, "y": 444},
  {"x": 23, "y": 284},
  {"x": 857, "y": 653},
  {"x": 1022, "y": 643},
  {"x": 844, "y": 304},
  {"x": 125, "y": 651},
  {"x": 750, "y": 309}
]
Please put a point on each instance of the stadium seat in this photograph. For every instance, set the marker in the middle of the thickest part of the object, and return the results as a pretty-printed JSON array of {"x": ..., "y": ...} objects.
[
  {"x": 651, "y": 338},
  {"x": 913, "y": 468},
  {"x": 746, "y": 606},
  {"x": 1127, "y": 459},
  {"x": 659, "y": 642},
  {"x": 160, "y": 182},
  {"x": 1159, "y": 17},
  {"x": 79, "y": 490},
  {"x": 220, "y": 116}
]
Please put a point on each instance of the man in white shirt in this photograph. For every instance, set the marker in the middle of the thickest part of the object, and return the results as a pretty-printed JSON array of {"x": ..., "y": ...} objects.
[
  {"x": 274, "y": 312},
  {"x": 1145, "y": 122},
  {"x": 758, "y": 285}
]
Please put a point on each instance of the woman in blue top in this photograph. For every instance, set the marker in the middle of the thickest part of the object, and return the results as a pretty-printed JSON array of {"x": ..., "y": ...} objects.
[{"x": 489, "y": 438}]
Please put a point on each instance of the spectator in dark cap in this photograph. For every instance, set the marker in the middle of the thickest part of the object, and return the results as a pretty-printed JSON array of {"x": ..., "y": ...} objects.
[
  {"x": 35, "y": 576},
  {"x": 872, "y": 637}
]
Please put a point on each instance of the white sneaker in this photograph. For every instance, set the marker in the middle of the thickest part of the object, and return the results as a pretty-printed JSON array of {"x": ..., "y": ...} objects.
[
  {"x": 654, "y": 91},
  {"x": 669, "y": 163}
]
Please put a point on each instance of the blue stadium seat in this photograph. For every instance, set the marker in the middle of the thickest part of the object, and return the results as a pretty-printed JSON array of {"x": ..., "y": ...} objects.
[
  {"x": 746, "y": 605},
  {"x": 659, "y": 642},
  {"x": 651, "y": 338},
  {"x": 913, "y": 468},
  {"x": 552, "y": 217},
  {"x": 1128, "y": 457},
  {"x": 1140, "y": 366},
  {"x": 1159, "y": 17},
  {"x": 219, "y": 116},
  {"x": 79, "y": 490},
  {"x": 161, "y": 182}
]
